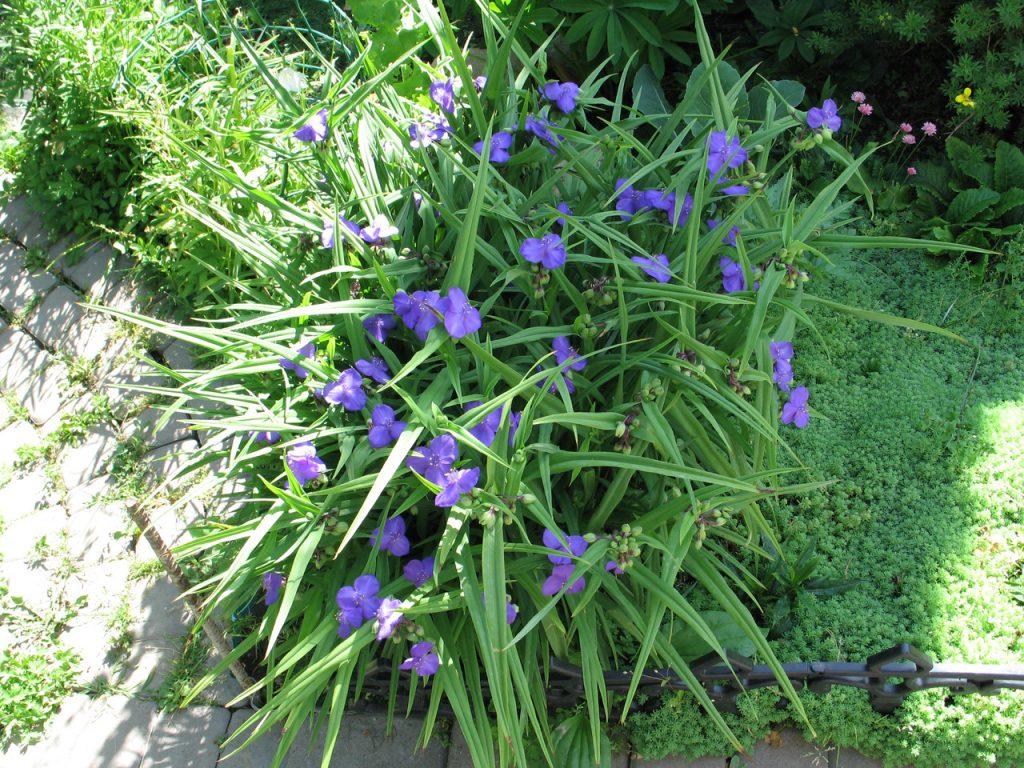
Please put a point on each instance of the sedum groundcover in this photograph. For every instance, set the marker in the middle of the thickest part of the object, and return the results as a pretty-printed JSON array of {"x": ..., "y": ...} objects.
[
  {"x": 925, "y": 519},
  {"x": 503, "y": 374}
]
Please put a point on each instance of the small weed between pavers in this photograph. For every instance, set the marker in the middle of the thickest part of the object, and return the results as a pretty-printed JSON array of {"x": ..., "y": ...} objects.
[
  {"x": 19, "y": 410},
  {"x": 82, "y": 371},
  {"x": 119, "y": 627},
  {"x": 18, "y": 318},
  {"x": 189, "y": 666},
  {"x": 36, "y": 258},
  {"x": 128, "y": 470},
  {"x": 143, "y": 569},
  {"x": 73, "y": 429}
]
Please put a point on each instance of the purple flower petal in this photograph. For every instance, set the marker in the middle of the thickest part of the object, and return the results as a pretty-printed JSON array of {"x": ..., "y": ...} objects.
[
  {"x": 547, "y": 251},
  {"x": 655, "y": 267},
  {"x": 347, "y": 391},
  {"x": 562, "y": 94},
  {"x": 315, "y": 129},
  {"x": 304, "y": 463}
]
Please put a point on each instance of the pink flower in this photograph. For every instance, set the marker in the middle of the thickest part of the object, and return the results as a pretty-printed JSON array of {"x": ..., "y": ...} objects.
[
  {"x": 865, "y": 109},
  {"x": 911, "y": 171},
  {"x": 858, "y": 97},
  {"x": 909, "y": 138},
  {"x": 929, "y": 129},
  {"x": 906, "y": 127}
]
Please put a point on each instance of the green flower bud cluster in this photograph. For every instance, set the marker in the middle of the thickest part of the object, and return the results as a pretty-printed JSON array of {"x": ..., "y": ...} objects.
[
  {"x": 408, "y": 631},
  {"x": 734, "y": 380},
  {"x": 600, "y": 292},
  {"x": 709, "y": 518},
  {"x": 793, "y": 276},
  {"x": 584, "y": 327},
  {"x": 623, "y": 433},
  {"x": 652, "y": 391},
  {"x": 624, "y": 545},
  {"x": 690, "y": 356},
  {"x": 541, "y": 277}
]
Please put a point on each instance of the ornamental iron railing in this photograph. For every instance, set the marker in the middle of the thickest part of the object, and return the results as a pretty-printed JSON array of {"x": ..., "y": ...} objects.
[{"x": 888, "y": 677}]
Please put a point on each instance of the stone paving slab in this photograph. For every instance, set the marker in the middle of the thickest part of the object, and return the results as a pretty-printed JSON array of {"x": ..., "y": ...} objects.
[
  {"x": 21, "y": 358},
  {"x": 25, "y": 494},
  {"x": 19, "y": 536},
  {"x": 362, "y": 743},
  {"x": 848, "y": 758},
  {"x": 44, "y": 394},
  {"x": 88, "y": 267},
  {"x": 144, "y": 426},
  {"x": 187, "y": 738},
  {"x": 19, "y": 219},
  {"x": 89, "y": 460},
  {"x": 162, "y": 620},
  {"x": 680, "y": 762},
  {"x": 62, "y": 324},
  {"x": 18, "y": 285},
  {"x": 459, "y": 755},
  {"x": 17, "y": 435},
  {"x": 786, "y": 748},
  {"x": 165, "y": 463}
]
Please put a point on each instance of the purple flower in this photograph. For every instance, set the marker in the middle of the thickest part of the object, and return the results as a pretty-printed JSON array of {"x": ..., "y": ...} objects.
[
  {"x": 781, "y": 350},
  {"x": 315, "y": 129},
  {"x": 631, "y": 201},
  {"x": 783, "y": 374},
  {"x": 566, "y": 355},
  {"x": 419, "y": 311},
  {"x": 733, "y": 279},
  {"x": 541, "y": 128},
  {"x": 375, "y": 368},
  {"x": 724, "y": 153},
  {"x": 730, "y": 238},
  {"x": 419, "y": 572},
  {"x": 327, "y": 236},
  {"x": 347, "y": 391},
  {"x": 456, "y": 482},
  {"x": 511, "y": 611},
  {"x": 424, "y": 661},
  {"x": 795, "y": 411},
  {"x": 614, "y": 567},
  {"x": 393, "y": 538},
  {"x": 383, "y": 427},
  {"x": 266, "y": 437},
  {"x": 735, "y": 190},
  {"x": 272, "y": 583},
  {"x": 549, "y": 251},
  {"x": 501, "y": 142},
  {"x": 577, "y": 546},
  {"x": 513, "y": 425},
  {"x": 562, "y": 94},
  {"x": 827, "y": 115},
  {"x": 655, "y": 267},
  {"x": 357, "y": 604},
  {"x": 307, "y": 351},
  {"x": 487, "y": 429},
  {"x": 304, "y": 463},
  {"x": 378, "y": 326},
  {"x": 559, "y": 577},
  {"x": 564, "y": 208},
  {"x": 388, "y": 617},
  {"x": 433, "y": 128},
  {"x": 460, "y": 317},
  {"x": 442, "y": 92},
  {"x": 479, "y": 83},
  {"x": 677, "y": 214},
  {"x": 435, "y": 459},
  {"x": 379, "y": 230}
]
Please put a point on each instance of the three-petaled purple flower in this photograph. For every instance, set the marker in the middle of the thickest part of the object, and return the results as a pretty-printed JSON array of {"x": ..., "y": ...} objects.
[
  {"x": 511, "y": 611},
  {"x": 307, "y": 351},
  {"x": 501, "y": 143},
  {"x": 826, "y": 115},
  {"x": 455, "y": 483},
  {"x": 733, "y": 279},
  {"x": 559, "y": 578},
  {"x": 795, "y": 411},
  {"x": 577, "y": 546},
  {"x": 393, "y": 538},
  {"x": 677, "y": 213},
  {"x": 419, "y": 572},
  {"x": 378, "y": 326},
  {"x": 487, "y": 429},
  {"x": 432, "y": 128},
  {"x": 327, "y": 236},
  {"x": 389, "y": 616},
  {"x": 304, "y": 463},
  {"x": 724, "y": 153},
  {"x": 418, "y": 311},
  {"x": 460, "y": 317},
  {"x": 347, "y": 391},
  {"x": 315, "y": 129},
  {"x": 375, "y": 368},
  {"x": 655, "y": 267},
  {"x": 566, "y": 355},
  {"x": 423, "y": 661},
  {"x": 384, "y": 428},
  {"x": 563, "y": 95},
  {"x": 548, "y": 251},
  {"x": 272, "y": 583},
  {"x": 266, "y": 437},
  {"x": 730, "y": 237},
  {"x": 541, "y": 128},
  {"x": 631, "y": 200},
  {"x": 378, "y": 230},
  {"x": 357, "y": 604},
  {"x": 434, "y": 459},
  {"x": 442, "y": 92},
  {"x": 782, "y": 355}
]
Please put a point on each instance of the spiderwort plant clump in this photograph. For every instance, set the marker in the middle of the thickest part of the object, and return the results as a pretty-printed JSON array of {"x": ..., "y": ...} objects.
[{"x": 512, "y": 400}]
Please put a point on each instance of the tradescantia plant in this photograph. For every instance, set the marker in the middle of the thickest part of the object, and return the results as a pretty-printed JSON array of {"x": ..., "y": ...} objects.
[{"x": 506, "y": 383}]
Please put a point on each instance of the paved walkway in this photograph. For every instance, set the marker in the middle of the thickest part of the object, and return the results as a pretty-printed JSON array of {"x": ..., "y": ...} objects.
[{"x": 74, "y": 452}]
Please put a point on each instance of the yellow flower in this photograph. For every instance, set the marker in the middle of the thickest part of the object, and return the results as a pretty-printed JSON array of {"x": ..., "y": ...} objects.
[{"x": 965, "y": 98}]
